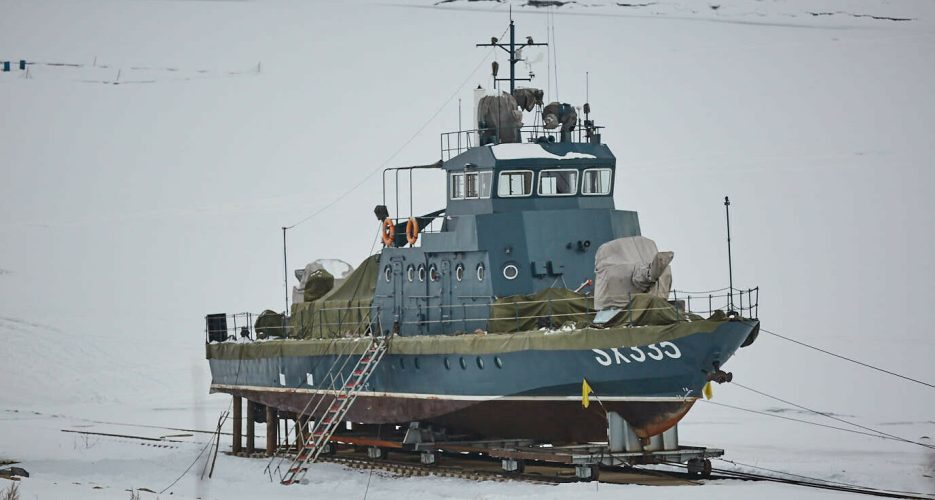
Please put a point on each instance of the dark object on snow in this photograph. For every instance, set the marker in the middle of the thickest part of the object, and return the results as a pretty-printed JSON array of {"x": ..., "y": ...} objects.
[{"x": 14, "y": 472}]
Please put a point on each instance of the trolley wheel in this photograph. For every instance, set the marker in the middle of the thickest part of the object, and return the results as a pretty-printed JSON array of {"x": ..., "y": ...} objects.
[{"x": 706, "y": 469}]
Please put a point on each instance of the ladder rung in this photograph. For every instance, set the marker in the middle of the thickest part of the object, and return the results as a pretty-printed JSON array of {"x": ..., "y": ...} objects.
[
  {"x": 296, "y": 470},
  {"x": 351, "y": 384},
  {"x": 358, "y": 372},
  {"x": 365, "y": 360}
]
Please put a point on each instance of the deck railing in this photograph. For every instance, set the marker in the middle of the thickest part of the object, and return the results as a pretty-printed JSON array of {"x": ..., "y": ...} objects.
[
  {"x": 455, "y": 143},
  {"x": 353, "y": 320}
]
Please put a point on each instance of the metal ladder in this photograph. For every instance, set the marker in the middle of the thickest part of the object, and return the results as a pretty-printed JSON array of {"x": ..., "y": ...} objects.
[{"x": 325, "y": 427}]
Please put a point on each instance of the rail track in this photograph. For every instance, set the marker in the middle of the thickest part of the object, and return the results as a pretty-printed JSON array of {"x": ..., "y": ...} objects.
[{"x": 476, "y": 467}]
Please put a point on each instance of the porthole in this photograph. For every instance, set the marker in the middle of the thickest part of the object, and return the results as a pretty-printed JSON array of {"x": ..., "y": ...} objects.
[
  {"x": 421, "y": 272},
  {"x": 433, "y": 273},
  {"x": 463, "y": 363},
  {"x": 410, "y": 273},
  {"x": 497, "y": 361},
  {"x": 447, "y": 364},
  {"x": 387, "y": 273},
  {"x": 510, "y": 271},
  {"x": 459, "y": 272},
  {"x": 480, "y": 362},
  {"x": 481, "y": 272}
]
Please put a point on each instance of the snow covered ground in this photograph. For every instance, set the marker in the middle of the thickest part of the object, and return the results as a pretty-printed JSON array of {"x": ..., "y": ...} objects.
[{"x": 129, "y": 211}]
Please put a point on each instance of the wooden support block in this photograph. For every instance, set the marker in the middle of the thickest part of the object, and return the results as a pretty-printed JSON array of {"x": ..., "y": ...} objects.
[
  {"x": 237, "y": 445},
  {"x": 272, "y": 425},
  {"x": 251, "y": 428}
]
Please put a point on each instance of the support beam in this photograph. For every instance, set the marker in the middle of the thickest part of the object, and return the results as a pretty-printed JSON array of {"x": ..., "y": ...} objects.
[
  {"x": 272, "y": 426},
  {"x": 237, "y": 445},
  {"x": 251, "y": 428}
]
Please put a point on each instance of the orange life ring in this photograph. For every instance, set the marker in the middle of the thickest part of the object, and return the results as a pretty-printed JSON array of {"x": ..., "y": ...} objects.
[
  {"x": 388, "y": 232},
  {"x": 412, "y": 231}
]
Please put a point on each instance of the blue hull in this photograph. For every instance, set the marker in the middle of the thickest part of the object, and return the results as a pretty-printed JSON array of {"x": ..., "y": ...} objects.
[{"x": 652, "y": 386}]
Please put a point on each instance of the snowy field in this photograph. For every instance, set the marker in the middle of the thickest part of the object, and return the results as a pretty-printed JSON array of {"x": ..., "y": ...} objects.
[{"x": 156, "y": 147}]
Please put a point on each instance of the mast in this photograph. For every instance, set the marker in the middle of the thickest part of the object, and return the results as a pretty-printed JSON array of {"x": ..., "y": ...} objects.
[{"x": 511, "y": 49}]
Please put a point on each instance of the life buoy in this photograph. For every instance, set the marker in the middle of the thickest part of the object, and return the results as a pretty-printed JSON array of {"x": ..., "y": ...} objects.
[
  {"x": 388, "y": 232},
  {"x": 412, "y": 231}
]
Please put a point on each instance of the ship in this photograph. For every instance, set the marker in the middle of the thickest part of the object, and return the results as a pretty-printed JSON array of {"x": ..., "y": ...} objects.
[{"x": 528, "y": 307}]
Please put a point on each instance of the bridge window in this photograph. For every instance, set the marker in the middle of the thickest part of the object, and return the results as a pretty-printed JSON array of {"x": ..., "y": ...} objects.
[
  {"x": 514, "y": 183},
  {"x": 596, "y": 181},
  {"x": 457, "y": 186},
  {"x": 471, "y": 185},
  {"x": 558, "y": 182}
]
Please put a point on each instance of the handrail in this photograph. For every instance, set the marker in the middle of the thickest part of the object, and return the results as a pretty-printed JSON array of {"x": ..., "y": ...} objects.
[
  {"x": 528, "y": 134},
  {"x": 688, "y": 303}
]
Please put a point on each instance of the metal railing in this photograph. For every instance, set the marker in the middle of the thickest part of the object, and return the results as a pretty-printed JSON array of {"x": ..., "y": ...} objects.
[
  {"x": 454, "y": 143},
  {"x": 355, "y": 321}
]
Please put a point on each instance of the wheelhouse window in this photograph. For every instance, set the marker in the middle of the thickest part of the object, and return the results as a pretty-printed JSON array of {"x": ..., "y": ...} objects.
[
  {"x": 515, "y": 183},
  {"x": 558, "y": 182},
  {"x": 596, "y": 181},
  {"x": 471, "y": 185},
  {"x": 457, "y": 186}
]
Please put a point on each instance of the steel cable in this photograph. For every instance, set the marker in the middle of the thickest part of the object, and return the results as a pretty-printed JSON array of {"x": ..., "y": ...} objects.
[{"x": 861, "y": 363}]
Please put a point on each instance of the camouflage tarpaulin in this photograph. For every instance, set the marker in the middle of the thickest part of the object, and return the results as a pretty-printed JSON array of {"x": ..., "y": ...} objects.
[
  {"x": 552, "y": 307},
  {"x": 343, "y": 310}
]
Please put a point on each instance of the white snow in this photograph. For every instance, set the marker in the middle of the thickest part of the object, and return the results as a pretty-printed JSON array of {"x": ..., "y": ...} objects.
[
  {"x": 129, "y": 211},
  {"x": 522, "y": 151}
]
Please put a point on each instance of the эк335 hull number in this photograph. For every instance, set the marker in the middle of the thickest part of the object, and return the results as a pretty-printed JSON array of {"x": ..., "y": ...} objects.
[{"x": 637, "y": 354}]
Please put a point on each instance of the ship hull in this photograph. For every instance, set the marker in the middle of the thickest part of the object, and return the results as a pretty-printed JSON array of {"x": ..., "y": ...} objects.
[{"x": 508, "y": 393}]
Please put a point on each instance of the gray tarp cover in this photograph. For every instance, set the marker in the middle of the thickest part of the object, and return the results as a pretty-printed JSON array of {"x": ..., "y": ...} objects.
[
  {"x": 343, "y": 310},
  {"x": 615, "y": 265}
]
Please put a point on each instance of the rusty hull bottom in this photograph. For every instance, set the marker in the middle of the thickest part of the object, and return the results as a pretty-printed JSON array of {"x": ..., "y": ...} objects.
[{"x": 551, "y": 420}]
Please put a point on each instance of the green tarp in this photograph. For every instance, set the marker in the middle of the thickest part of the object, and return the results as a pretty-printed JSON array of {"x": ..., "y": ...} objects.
[
  {"x": 645, "y": 309},
  {"x": 344, "y": 310},
  {"x": 317, "y": 285},
  {"x": 552, "y": 307},
  {"x": 475, "y": 344},
  {"x": 269, "y": 324}
]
